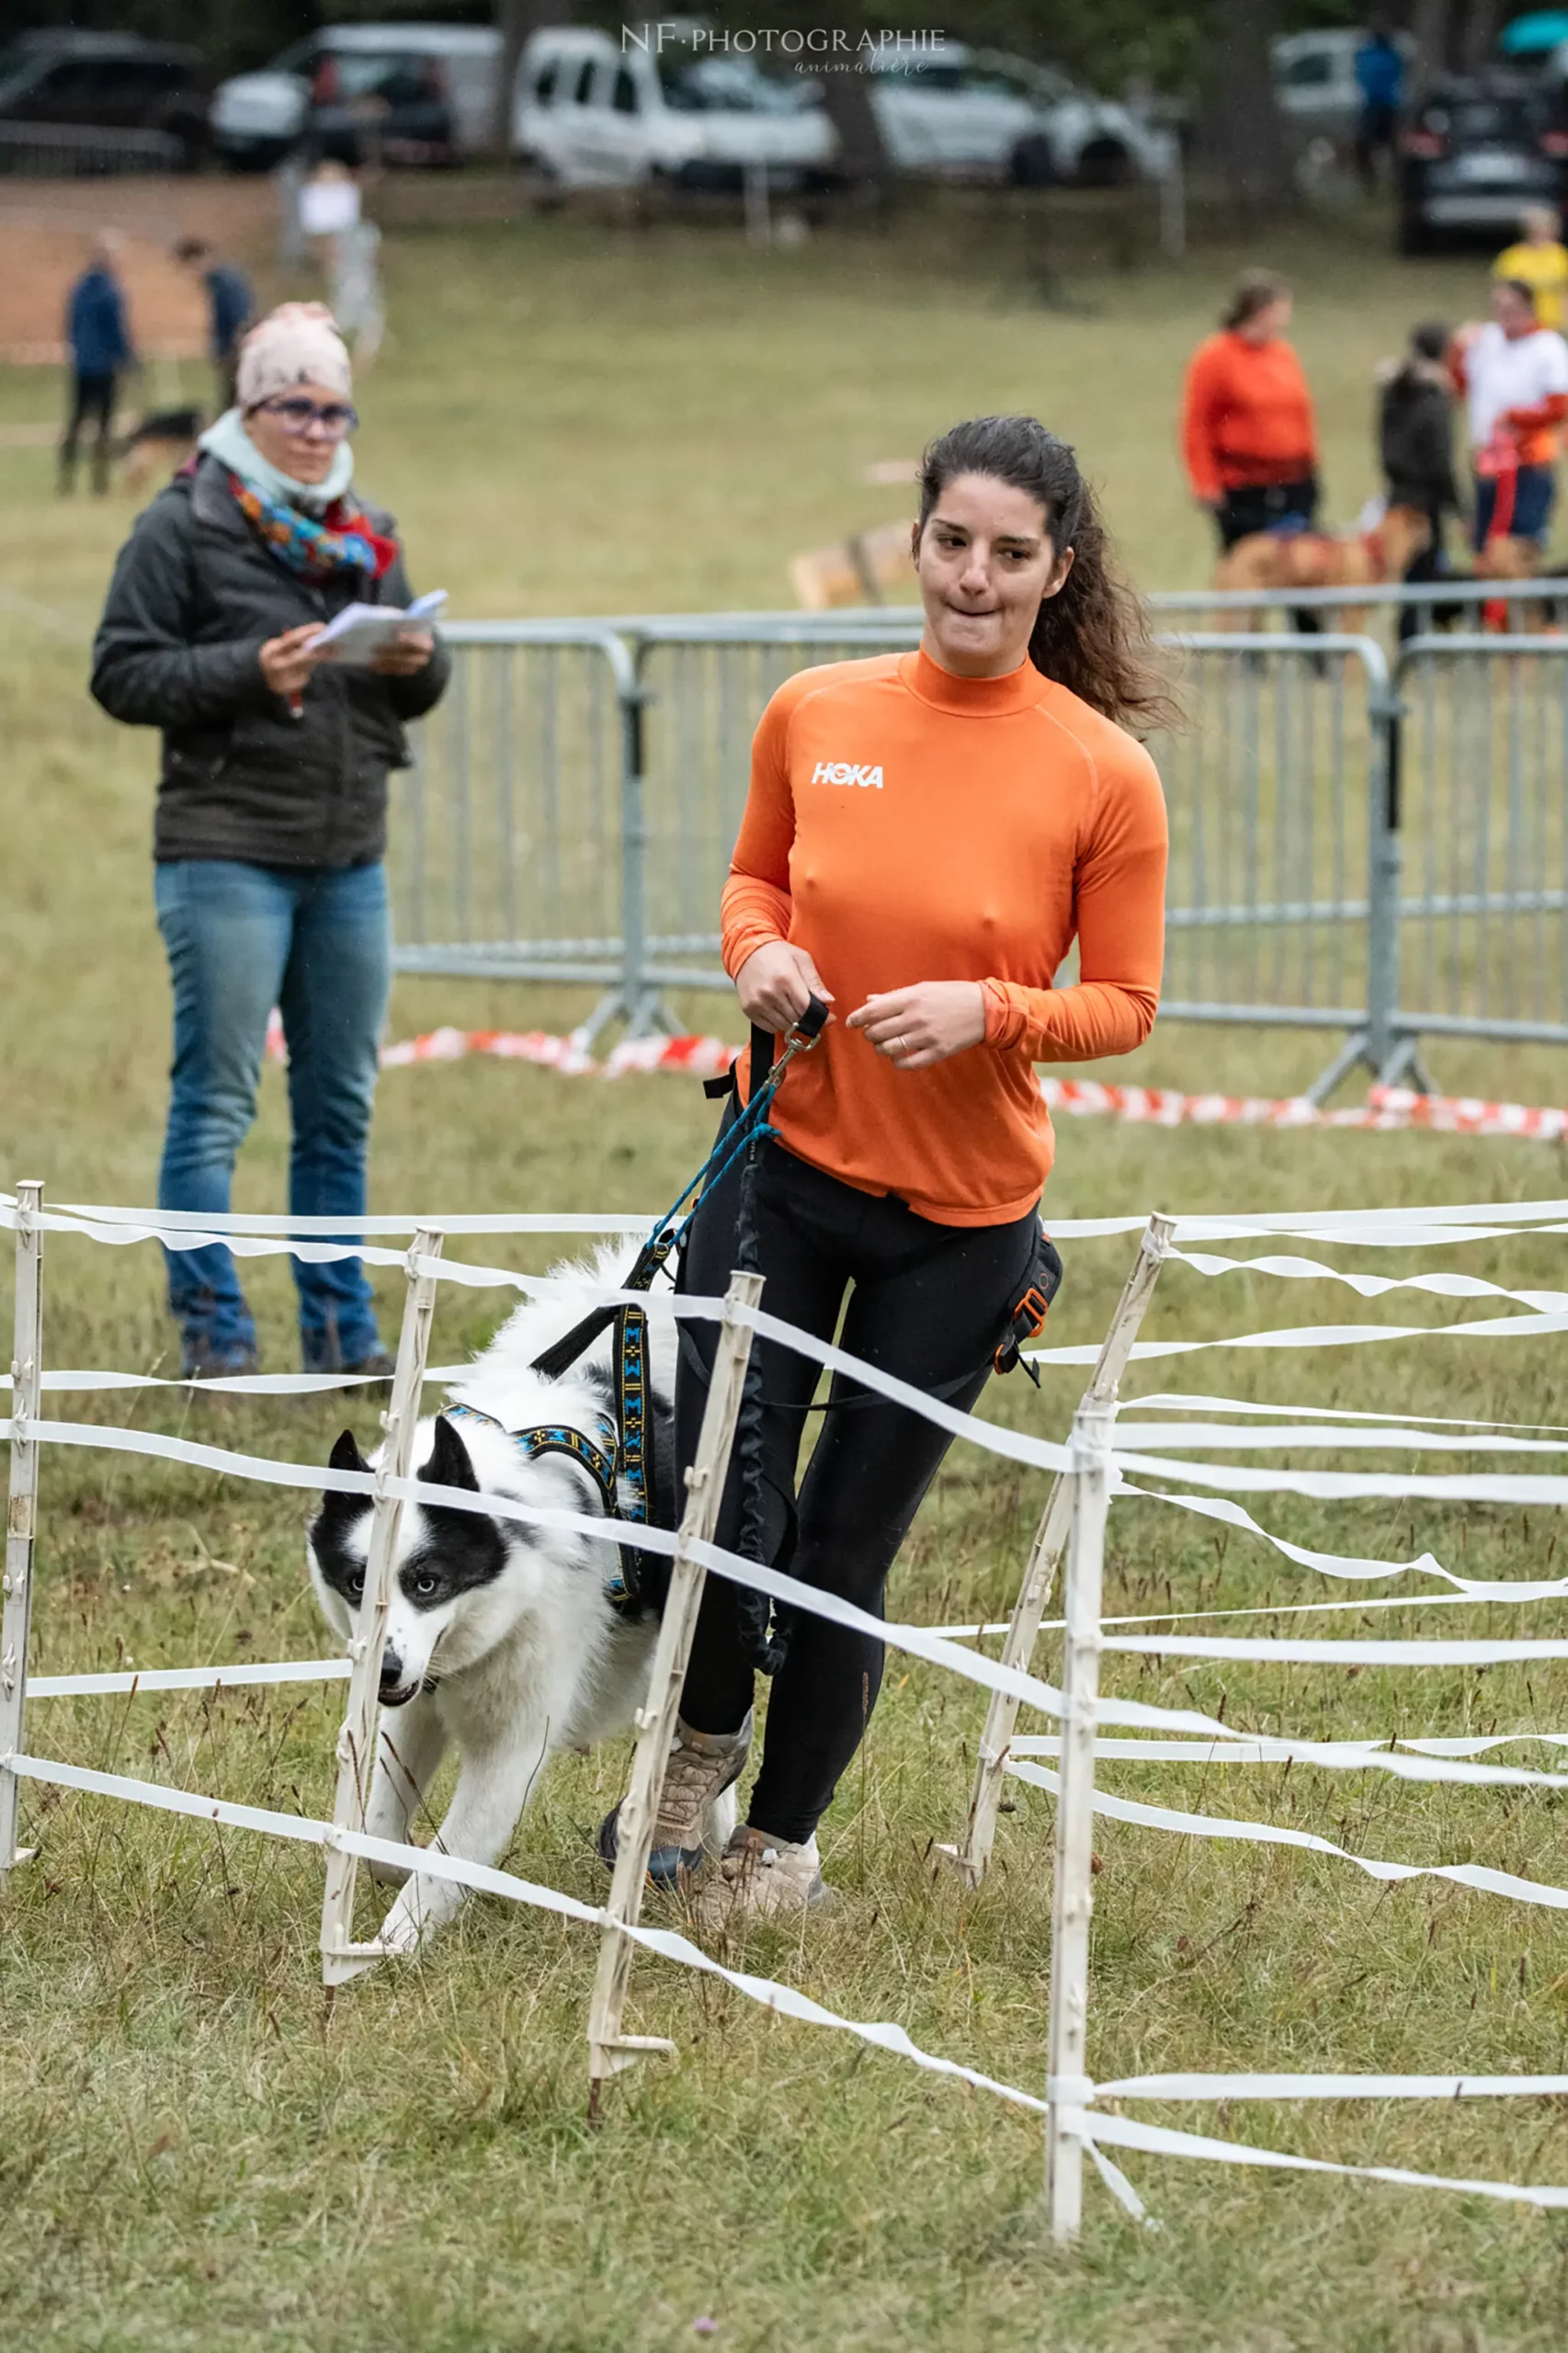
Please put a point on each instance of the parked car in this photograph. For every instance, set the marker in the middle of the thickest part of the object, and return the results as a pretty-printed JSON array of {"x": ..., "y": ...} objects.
[
  {"x": 1472, "y": 156},
  {"x": 964, "y": 113},
  {"x": 81, "y": 81},
  {"x": 428, "y": 90},
  {"x": 590, "y": 110},
  {"x": 588, "y": 113}
]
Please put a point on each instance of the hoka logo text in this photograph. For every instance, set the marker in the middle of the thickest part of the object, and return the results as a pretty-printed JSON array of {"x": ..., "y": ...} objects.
[{"x": 846, "y": 772}]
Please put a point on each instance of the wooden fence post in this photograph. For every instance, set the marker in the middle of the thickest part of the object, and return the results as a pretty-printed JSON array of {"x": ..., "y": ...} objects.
[
  {"x": 971, "y": 1855},
  {"x": 341, "y": 1956},
  {"x": 610, "y": 2049},
  {"x": 21, "y": 1517},
  {"x": 1071, "y": 1900}
]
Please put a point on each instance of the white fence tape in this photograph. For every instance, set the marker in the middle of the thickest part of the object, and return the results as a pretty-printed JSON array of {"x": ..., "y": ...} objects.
[
  {"x": 136, "y": 1681},
  {"x": 1352, "y": 1565},
  {"x": 1264, "y": 1750},
  {"x": 236, "y": 1384},
  {"x": 1179, "y": 1402},
  {"x": 1442, "y": 1286},
  {"x": 667, "y": 1943},
  {"x": 1399, "y": 1228},
  {"x": 1321, "y": 1336},
  {"x": 769, "y": 1993},
  {"x": 1281, "y": 2086},
  {"x": 1292, "y": 1650},
  {"x": 1479, "y": 1876},
  {"x": 917, "y": 1640},
  {"x": 1433, "y": 1759}
]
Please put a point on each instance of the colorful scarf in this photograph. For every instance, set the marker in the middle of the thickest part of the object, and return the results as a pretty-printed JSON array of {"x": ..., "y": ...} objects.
[{"x": 341, "y": 541}]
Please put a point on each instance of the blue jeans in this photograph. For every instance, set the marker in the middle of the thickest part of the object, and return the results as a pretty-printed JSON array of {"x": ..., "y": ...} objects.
[
  {"x": 1534, "y": 491},
  {"x": 315, "y": 942}
]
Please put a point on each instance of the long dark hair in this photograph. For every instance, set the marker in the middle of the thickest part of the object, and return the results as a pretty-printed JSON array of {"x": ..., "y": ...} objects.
[
  {"x": 1255, "y": 291},
  {"x": 1093, "y": 635}
]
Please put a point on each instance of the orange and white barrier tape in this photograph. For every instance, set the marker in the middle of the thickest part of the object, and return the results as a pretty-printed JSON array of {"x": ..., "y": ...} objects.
[{"x": 1386, "y": 1109}]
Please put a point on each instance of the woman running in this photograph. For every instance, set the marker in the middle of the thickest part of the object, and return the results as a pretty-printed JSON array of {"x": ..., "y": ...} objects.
[{"x": 926, "y": 834}]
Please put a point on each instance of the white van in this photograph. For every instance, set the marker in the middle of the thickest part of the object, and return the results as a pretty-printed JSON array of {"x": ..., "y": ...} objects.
[
  {"x": 591, "y": 113},
  {"x": 434, "y": 86}
]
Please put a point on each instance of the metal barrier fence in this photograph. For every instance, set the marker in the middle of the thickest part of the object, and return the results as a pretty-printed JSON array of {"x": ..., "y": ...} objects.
[
  {"x": 1482, "y": 916},
  {"x": 575, "y": 798},
  {"x": 64, "y": 150}
]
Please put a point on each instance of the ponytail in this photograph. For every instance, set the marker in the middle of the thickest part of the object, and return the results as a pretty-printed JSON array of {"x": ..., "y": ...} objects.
[{"x": 1093, "y": 636}]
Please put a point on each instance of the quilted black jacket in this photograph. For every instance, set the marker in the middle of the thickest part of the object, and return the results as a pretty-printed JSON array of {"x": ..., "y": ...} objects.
[{"x": 193, "y": 597}]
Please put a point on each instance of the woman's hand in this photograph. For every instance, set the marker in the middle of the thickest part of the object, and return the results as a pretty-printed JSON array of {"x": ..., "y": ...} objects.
[
  {"x": 406, "y": 656},
  {"x": 776, "y": 983},
  {"x": 916, "y": 1026},
  {"x": 287, "y": 662}
]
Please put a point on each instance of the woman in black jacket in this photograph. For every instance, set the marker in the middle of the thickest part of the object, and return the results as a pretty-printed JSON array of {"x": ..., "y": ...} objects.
[
  {"x": 1415, "y": 413},
  {"x": 271, "y": 816}
]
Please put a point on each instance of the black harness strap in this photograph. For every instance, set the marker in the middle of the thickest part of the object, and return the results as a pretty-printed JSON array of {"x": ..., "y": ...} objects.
[{"x": 598, "y": 1461}]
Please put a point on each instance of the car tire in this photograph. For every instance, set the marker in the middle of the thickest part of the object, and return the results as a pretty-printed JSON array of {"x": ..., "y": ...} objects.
[
  {"x": 1032, "y": 163},
  {"x": 1104, "y": 162}
]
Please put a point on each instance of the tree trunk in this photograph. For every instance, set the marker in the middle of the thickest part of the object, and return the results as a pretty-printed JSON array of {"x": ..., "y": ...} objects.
[
  {"x": 846, "y": 94},
  {"x": 1245, "y": 133},
  {"x": 1432, "y": 25},
  {"x": 1479, "y": 35},
  {"x": 517, "y": 21}
]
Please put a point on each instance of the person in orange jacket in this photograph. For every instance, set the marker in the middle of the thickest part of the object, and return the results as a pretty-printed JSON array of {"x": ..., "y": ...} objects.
[
  {"x": 924, "y": 836},
  {"x": 1248, "y": 433}
]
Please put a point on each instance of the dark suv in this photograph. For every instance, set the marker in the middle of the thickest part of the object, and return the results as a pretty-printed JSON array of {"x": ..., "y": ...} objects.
[
  {"x": 1472, "y": 156},
  {"x": 66, "y": 85}
]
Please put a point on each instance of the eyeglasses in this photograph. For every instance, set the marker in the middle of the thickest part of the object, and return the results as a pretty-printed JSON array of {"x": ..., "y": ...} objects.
[{"x": 336, "y": 419}]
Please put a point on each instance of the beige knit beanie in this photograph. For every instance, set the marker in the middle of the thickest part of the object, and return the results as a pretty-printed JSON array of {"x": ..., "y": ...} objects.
[{"x": 296, "y": 344}]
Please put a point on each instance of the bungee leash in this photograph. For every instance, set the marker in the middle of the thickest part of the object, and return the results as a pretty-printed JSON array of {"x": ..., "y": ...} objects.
[{"x": 624, "y": 1468}]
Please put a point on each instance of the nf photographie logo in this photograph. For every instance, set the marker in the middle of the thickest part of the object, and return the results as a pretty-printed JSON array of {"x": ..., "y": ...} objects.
[
  {"x": 846, "y": 772},
  {"x": 815, "y": 44}
]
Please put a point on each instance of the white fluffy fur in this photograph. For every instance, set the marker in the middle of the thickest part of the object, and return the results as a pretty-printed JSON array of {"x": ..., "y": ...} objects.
[{"x": 534, "y": 1661}]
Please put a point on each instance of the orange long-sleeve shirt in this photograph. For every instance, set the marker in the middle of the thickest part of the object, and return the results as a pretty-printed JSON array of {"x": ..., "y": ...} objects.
[
  {"x": 1246, "y": 416},
  {"x": 905, "y": 824}
]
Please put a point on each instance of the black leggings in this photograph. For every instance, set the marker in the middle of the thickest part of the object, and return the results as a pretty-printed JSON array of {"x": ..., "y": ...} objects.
[{"x": 926, "y": 1303}]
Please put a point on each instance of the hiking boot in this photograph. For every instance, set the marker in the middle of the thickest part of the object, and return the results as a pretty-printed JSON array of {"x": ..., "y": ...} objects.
[
  {"x": 760, "y": 1878},
  {"x": 321, "y": 1352},
  {"x": 702, "y": 1767},
  {"x": 204, "y": 1359}
]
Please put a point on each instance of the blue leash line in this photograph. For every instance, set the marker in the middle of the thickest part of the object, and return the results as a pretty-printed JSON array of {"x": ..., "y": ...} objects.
[{"x": 749, "y": 1124}]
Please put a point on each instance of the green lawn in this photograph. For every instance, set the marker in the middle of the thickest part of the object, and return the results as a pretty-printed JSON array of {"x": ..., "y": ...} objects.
[{"x": 194, "y": 2149}]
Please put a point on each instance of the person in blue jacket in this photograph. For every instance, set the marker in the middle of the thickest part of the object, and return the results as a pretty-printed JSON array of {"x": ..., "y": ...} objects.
[
  {"x": 232, "y": 307},
  {"x": 1380, "y": 77},
  {"x": 98, "y": 339}
]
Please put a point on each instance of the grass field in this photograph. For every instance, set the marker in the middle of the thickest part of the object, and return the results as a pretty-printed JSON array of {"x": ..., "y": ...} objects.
[{"x": 193, "y": 2149}]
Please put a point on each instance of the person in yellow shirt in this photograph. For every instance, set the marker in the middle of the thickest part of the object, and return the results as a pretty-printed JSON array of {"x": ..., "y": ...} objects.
[{"x": 1539, "y": 261}]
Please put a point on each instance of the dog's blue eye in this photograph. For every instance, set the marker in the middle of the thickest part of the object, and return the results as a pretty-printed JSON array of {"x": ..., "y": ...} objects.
[
  {"x": 425, "y": 1585},
  {"x": 357, "y": 1583}
]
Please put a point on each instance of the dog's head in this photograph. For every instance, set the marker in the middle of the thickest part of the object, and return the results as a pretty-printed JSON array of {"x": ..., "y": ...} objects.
[{"x": 450, "y": 1590}]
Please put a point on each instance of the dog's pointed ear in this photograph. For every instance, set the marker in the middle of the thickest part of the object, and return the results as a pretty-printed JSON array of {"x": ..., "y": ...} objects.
[
  {"x": 335, "y": 1503},
  {"x": 448, "y": 1465}
]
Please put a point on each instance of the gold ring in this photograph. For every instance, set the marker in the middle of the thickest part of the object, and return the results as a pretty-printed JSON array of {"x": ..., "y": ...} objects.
[{"x": 896, "y": 1047}]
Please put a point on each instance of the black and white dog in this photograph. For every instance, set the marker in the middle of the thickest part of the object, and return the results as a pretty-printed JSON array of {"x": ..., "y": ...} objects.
[{"x": 505, "y": 1639}]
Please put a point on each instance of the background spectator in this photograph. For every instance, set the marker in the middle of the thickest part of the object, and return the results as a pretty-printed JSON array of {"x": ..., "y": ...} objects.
[
  {"x": 1514, "y": 374},
  {"x": 1539, "y": 261},
  {"x": 1248, "y": 433},
  {"x": 98, "y": 339},
  {"x": 1415, "y": 445},
  {"x": 1380, "y": 77},
  {"x": 232, "y": 307},
  {"x": 271, "y": 820}
]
